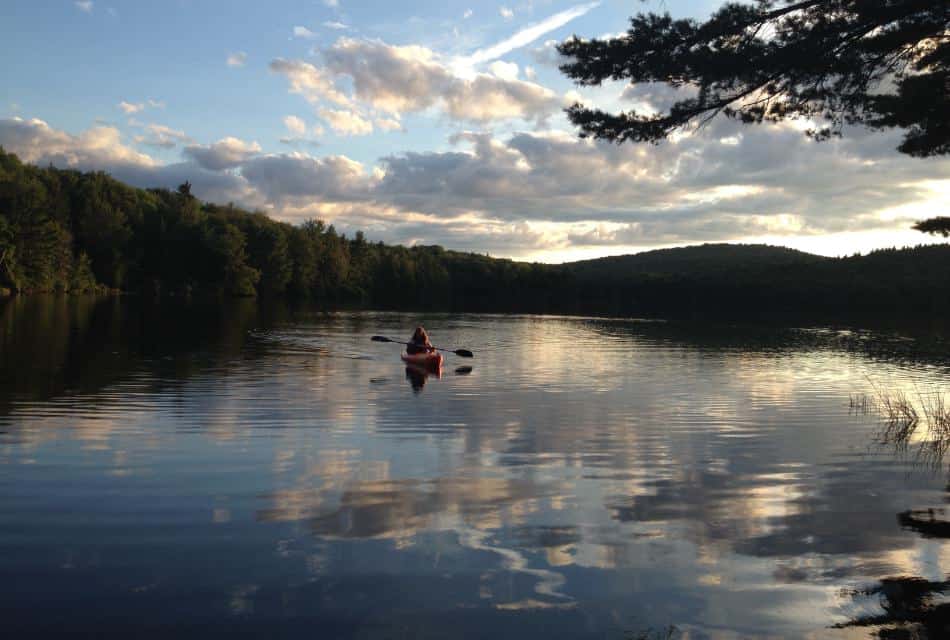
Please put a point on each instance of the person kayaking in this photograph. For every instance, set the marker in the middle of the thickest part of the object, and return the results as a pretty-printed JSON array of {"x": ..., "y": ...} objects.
[{"x": 419, "y": 342}]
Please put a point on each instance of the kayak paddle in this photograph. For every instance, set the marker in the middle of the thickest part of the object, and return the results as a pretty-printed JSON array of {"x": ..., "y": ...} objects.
[{"x": 463, "y": 353}]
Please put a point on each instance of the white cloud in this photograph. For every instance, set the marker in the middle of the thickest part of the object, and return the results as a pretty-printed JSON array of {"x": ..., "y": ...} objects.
[
  {"x": 504, "y": 70},
  {"x": 102, "y": 149},
  {"x": 399, "y": 79},
  {"x": 313, "y": 83},
  {"x": 529, "y": 34},
  {"x": 531, "y": 193},
  {"x": 237, "y": 59},
  {"x": 158, "y": 135},
  {"x": 131, "y": 107},
  {"x": 467, "y": 14},
  {"x": 530, "y": 74},
  {"x": 226, "y": 153},
  {"x": 286, "y": 179},
  {"x": 506, "y": 13},
  {"x": 84, "y": 5},
  {"x": 330, "y": 24},
  {"x": 295, "y": 125},
  {"x": 388, "y": 124},
  {"x": 303, "y": 32},
  {"x": 298, "y": 132},
  {"x": 99, "y": 147},
  {"x": 332, "y": 3},
  {"x": 347, "y": 123}
]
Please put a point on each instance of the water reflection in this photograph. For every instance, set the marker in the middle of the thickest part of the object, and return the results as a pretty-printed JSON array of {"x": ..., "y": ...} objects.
[
  {"x": 277, "y": 469},
  {"x": 418, "y": 376},
  {"x": 909, "y": 606}
]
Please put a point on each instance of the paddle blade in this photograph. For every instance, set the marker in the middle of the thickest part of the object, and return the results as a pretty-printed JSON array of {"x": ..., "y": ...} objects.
[
  {"x": 464, "y": 353},
  {"x": 380, "y": 339}
]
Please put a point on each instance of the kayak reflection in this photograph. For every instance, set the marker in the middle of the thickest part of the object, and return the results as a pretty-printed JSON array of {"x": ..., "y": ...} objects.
[{"x": 418, "y": 376}]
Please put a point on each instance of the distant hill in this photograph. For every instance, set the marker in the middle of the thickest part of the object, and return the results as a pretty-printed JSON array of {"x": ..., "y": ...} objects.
[
  {"x": 700, "y": 260},
  {"x": 745, "y": 278}
]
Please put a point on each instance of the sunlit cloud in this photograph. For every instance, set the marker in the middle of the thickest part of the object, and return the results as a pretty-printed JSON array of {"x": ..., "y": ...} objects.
[
  {"x": 238, "y": 59},
  {"x": 543, "y": 194},
  {"x": 406, "y": 79},
  {"x": 345, "y": 122},
  {"x": 295, "y": 125},
  {"x": 226, "y": 153},
  {"x": 157, "y": 135},
  {"x": 131, "y": 107}
]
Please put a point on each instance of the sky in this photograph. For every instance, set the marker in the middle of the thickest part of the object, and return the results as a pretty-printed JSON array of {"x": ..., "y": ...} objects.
[{"x": 430, "y": 122}]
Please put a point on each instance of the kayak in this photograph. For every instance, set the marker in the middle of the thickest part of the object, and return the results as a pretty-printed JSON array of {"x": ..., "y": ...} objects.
[{"x": 430, "y": 361}]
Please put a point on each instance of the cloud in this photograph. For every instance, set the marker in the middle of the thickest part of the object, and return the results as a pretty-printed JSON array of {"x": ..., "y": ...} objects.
[
  {"x": 530, "y": 33},
  {"x": 388, "y": 124},
  {"x": 102, "y": 149},
  {"x": 161, "y": 136},
  {"x": 313, "y": 83},
  {"x": 286, "y": 179},
  {"x": 750, "y": 182},
  {"x": 99, "y": 147},
  {"x": 330, "y": 24},
  {"x": 547, "y": 55},
  {"x": 226, "y": 153},
  {"x": 537, "y": 192},
  {"x": 298, "y": 132},
  {"x": 237, "y": 59},
  {"x": 303, "y": 32},
  {"x": 295, "y": 125},
  {"x": 404, "y": 79},
  {"x": 131, "y": 107},
  {"x": 345, "y": 122},
  {"x": 467, "y": 14},
  {"x": 84, "y": 5},
  {"x": 332, "y": 3},
  {"x": 506, "y": 13},
  {"x": 504, "y": 70}
]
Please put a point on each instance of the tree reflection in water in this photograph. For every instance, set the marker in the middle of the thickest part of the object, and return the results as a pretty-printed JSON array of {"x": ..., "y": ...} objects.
[{"x": 909, "y": 607}]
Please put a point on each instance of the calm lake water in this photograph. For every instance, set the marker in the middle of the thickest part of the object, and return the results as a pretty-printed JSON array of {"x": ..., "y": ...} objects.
[{"x": 199, "y": 471}]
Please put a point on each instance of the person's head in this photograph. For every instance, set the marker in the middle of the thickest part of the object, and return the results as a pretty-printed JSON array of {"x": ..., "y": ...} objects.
[{"x": 420, "y": 335}]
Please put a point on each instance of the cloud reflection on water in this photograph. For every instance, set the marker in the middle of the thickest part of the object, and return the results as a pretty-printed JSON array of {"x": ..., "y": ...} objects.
[{"x": 715, "y": 481}]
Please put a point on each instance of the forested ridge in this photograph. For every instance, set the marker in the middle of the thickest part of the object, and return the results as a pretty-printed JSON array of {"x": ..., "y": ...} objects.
[{"x": 69, "y": 231}]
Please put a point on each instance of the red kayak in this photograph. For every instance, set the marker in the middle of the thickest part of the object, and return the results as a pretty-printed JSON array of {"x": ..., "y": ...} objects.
[{"x": 430, "y": 361}]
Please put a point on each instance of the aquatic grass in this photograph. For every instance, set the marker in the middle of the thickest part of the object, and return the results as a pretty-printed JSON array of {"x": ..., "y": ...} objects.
[
  {"x": 904, "y": 415},
  {"x": 670, "y": 632}
]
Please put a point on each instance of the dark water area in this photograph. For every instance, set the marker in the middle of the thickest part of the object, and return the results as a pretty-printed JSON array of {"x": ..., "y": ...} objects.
[{"x": 251, "y": 469}]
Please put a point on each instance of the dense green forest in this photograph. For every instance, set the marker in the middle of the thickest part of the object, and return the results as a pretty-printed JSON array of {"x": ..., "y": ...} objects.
[{"x": 68, "y": 231}]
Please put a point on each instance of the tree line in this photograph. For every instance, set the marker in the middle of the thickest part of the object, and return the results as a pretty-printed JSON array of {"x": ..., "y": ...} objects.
[{"x": 69, "y": 231}]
